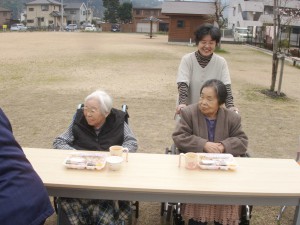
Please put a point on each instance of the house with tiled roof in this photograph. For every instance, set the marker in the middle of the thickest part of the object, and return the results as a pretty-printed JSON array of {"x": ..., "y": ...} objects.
[
  {"x": 5, "y": 16},
  {"x": 186, "y": 17},
  {"x": 44, "y": 13},
  {"x": 77, "y": 13}
]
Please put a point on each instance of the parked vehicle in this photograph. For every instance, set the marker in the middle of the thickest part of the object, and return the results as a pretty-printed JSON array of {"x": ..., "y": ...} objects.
[
  {"x": 18, "y": 27},
  {"x": 71, "y": 27},
  {"x": 242, "y": 34},
  {"x": 115, "y": 28},
  {"x": 90, "y": 27}
]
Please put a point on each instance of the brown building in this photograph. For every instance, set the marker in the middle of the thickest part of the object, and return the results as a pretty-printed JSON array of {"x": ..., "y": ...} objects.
[
  {"x": 185, "y": 17},
  {"x": 5, "y": 17},
  {"x": 141, "y": 24}
]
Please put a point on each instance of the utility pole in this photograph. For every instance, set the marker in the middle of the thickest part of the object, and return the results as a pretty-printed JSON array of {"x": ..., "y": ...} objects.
[
  {"x": 86, "y": 11},
  {"x": 62, "y": 15}
]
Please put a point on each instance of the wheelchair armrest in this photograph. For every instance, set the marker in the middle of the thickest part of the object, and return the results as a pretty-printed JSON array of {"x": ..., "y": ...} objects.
[
  {"x": 124, "y": 108},
  {"x": 298, "y": 157},
  {"x": 173, "y": 150},
  {"x": 246, "y": 155}
]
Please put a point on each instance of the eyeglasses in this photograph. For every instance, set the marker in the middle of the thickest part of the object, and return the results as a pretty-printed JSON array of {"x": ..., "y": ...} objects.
[
  {"x": 89, "y": 110},
  {"x": 209, "y": 43}
]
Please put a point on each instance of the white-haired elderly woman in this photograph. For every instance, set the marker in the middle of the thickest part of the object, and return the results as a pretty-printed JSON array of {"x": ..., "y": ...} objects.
[
  {"x": 96, "y": 126},
  {"x": 209, "y": 127}
]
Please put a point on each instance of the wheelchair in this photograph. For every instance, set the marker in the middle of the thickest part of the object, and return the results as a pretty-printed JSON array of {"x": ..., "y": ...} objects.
[
  {"x": 173, "y": 209},
  {"x": 62, "y": 218}
]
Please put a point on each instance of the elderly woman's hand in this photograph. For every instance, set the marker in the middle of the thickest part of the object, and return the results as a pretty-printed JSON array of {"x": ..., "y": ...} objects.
[{"x": 211, "y": 147}]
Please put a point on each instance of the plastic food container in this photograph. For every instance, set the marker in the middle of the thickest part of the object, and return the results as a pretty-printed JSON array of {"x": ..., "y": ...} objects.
[
  {"x": 213, "y": 161},
  {"x": 84, "y": 160}
]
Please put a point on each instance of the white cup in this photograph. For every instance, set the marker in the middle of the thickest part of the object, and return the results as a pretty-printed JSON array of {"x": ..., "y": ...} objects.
[
  {"x": 117, "y": 150},
  {"x": 114, "y": 162},
  {"x": 191, "y": 160}
]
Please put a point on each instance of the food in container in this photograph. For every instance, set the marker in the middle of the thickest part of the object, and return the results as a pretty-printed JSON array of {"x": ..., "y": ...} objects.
[
  {"x": 214, "y": 161},
  {"x": 85, "y": 160}
]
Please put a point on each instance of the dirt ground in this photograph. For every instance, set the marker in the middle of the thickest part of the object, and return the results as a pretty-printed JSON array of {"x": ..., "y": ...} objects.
[{"x": 43, "y": 76}]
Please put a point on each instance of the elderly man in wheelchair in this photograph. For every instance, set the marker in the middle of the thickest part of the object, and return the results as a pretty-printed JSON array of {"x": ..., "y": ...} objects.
[
  {"x": 96, "y": 126},
  {"x": 209, "y": 127}
]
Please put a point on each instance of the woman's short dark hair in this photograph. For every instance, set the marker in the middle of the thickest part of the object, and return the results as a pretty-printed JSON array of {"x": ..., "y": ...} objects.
[
  {"x": 207, "y": 29},
  {"x": 219, "y": 88}
]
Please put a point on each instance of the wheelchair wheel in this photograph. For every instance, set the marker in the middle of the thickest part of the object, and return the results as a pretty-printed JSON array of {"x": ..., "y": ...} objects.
[{"x": 177, "y": 218}]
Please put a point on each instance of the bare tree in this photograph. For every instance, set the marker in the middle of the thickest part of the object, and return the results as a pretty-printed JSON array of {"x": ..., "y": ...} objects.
[
  {"x": 219, "y": 15},
  {"x": 283, "y": 16}
]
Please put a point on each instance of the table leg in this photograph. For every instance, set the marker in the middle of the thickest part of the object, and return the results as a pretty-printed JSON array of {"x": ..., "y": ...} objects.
[{"x": 297, "y": 215}]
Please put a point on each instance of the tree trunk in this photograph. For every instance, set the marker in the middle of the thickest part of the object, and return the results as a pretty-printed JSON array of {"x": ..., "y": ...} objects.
[
  {"x": 274, "y": 71},
  {"x": 275, "y": 47},
  {"x": 281, "y": 74}
]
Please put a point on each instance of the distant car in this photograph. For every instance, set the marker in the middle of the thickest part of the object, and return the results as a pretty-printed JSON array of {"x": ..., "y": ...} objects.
[
  {"x": 71, "y": 27},
  {"x": 90, "y": 27},
  {"x": 242, "y": 34},
  {"x": 18, "y": 27},
  {"x": 115, "y": 28}
]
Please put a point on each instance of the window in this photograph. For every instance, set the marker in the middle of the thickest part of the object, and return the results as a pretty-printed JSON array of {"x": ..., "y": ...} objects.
[
  {"x": 50, "y": 21},
  {"x": 45, "y": 7},
  {"x": 138, "y": 12},
  {"x": 31, "y": 9},
  {"x": 42, "y": 19},
  {"x": 72, "y": 12},
  {"x": 180, "y": 23},
  {"x": 30, "y": 21}
]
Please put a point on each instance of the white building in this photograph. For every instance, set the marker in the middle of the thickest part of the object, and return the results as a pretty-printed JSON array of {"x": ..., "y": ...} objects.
[
  {"x": 77, "y": 13},
  {"x": 257, "y": 12}
]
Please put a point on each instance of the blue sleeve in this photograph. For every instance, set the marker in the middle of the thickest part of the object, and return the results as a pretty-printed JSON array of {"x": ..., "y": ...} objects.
[{"x": 22, "y": 191}]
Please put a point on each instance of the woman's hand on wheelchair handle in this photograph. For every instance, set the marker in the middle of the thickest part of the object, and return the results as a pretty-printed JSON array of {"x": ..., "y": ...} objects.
[{"x": 179, "y": 107}]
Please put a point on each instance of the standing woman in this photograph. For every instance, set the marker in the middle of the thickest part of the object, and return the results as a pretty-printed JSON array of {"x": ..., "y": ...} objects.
[{"x": 197, "y": 67}]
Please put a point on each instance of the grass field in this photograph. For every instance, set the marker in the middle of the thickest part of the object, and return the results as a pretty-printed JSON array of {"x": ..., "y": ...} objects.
[{"x": 44, "y": 76}]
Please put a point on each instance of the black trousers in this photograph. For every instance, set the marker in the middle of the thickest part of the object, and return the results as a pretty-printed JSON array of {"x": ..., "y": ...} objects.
[{"x": 194, "y": 222}]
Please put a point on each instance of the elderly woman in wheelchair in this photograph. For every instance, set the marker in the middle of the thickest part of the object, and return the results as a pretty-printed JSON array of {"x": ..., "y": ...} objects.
[
  {"x": 96, "y": 126},
  {"x": 209, "y": 127}
]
